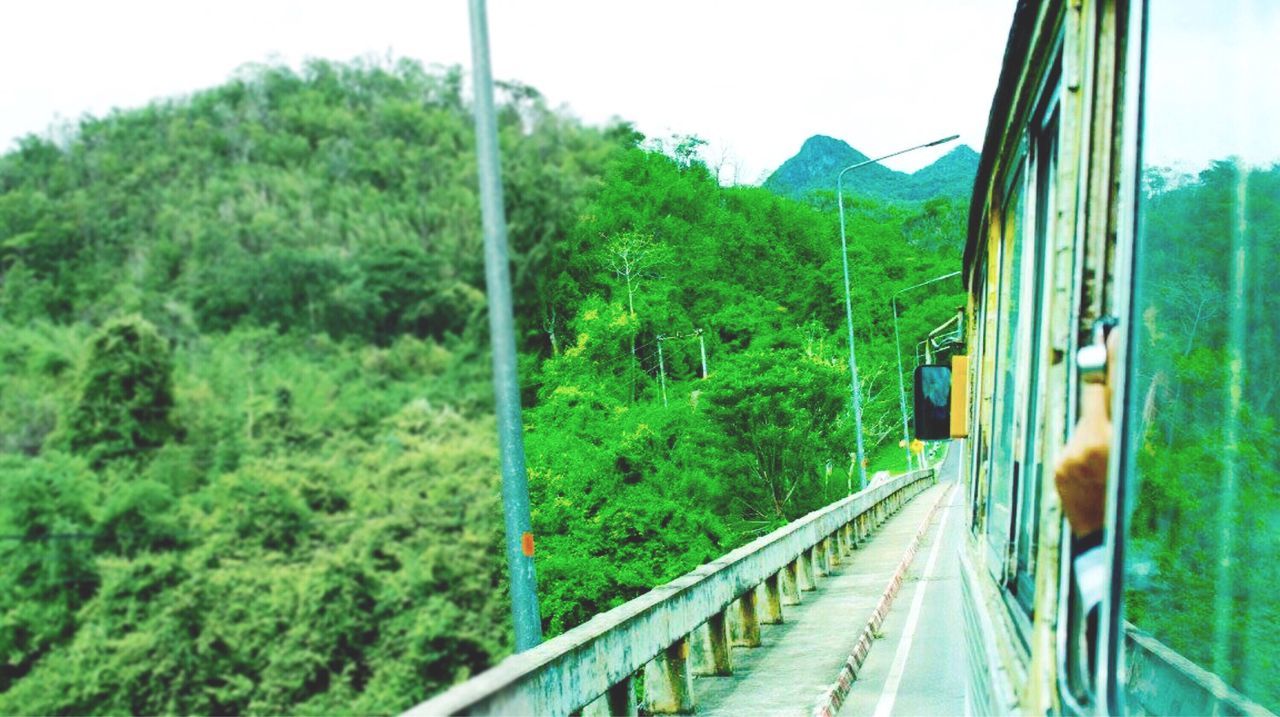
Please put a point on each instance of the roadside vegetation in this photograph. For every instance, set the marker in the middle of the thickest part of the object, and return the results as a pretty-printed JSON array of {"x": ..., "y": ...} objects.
[{"x": 247, "y": 457}]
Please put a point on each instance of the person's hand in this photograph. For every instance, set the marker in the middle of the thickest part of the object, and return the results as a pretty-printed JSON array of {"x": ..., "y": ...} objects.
[{"x": 1081, "y": 474}]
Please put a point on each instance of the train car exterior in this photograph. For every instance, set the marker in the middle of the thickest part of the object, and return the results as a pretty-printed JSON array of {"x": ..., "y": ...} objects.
[{"x": 1130, "y": 171}]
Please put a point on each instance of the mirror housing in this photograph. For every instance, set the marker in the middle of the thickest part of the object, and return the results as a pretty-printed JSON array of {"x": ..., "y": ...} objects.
[{"x": 933, "y": 402}]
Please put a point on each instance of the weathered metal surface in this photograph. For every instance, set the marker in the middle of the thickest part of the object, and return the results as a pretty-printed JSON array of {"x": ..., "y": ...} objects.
[{"x": 571, "y": 670}]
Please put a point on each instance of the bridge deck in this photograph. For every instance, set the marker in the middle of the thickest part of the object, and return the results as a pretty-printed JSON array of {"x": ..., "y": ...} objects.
[
  {"x": 799, "y": 660},
  {"x": 919, "y": 667}
]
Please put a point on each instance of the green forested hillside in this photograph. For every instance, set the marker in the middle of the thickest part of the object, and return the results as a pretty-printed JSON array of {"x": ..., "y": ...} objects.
[
  {"x": 247, "y": 460},
  {"x": 1207, "y": 424}
]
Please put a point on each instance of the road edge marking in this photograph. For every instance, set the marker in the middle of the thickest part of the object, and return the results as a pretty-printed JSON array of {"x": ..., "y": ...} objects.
[
  {"x": 889, "y": 695},
  {"x": 830, "y": 699}
]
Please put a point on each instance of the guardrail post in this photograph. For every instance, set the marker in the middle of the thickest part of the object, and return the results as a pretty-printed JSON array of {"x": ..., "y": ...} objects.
[
  {"x": 850, "y": 543},
  {"x": 818, "y": 560},
  {"x": 711, "y": 648},
  {"x": 807, "y": 580},
  {"x": 771, "y": 601},
  {"x": 791, "y": 583},
  {"x": 833, "y": 554},
  {"x": 619, "y": 701},
  {"x": 744, "y": 624},
  {"x": 668, "y": 684}
]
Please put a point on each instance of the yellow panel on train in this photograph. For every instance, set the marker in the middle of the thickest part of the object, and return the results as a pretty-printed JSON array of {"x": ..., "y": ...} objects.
[{"x": 959, "y": 396}]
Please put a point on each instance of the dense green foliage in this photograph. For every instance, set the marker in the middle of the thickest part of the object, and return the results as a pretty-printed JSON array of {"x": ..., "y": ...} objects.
[
  {"x": 246, "y": 456},
  {"x": 820, "y": 159},
  {"x": 1205, "y": 536},
  {"x": 127, "y": 394}
]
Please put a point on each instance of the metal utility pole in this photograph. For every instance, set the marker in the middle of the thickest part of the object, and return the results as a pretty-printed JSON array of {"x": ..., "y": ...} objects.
[
  {"x": 855, "y": 391},
  {"x": 702, "y": 346},
  {"x": 662, "y": 372},
  {"x": 902, "y": 391},
  {"x": 515, "y": 482}
]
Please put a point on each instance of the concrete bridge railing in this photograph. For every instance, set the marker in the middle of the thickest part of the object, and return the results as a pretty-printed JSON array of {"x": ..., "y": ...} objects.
[
  {"x": 1160, "y": 681},
  {"x": 684, "y": 628}
]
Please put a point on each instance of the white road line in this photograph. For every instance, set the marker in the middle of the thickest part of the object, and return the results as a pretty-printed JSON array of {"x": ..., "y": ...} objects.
[{"x": 890, "y": 694}]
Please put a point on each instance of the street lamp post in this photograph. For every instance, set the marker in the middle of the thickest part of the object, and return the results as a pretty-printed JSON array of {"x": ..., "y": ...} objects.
[
  {"x": 855, "y": 392},
  {"x": 902, "y": 390},
  {"x": 506, "y": 381}
]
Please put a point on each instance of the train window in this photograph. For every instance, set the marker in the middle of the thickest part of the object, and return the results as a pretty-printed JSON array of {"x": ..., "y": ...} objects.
[
  {"x": 1045, "y": 166},
  {"x": 981, "y": 420},
  {"x": 1001, "y": 476},
  {"x": 1201, "y": 432}
]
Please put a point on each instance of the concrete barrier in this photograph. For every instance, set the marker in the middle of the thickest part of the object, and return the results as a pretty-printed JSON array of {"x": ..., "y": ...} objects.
[
  {"x": 1162, "y": 682},
  {"x": 591, "y": 667}
]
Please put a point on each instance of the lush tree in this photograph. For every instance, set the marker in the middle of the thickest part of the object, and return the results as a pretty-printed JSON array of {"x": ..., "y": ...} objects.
[{"x": 126, "y": 394}]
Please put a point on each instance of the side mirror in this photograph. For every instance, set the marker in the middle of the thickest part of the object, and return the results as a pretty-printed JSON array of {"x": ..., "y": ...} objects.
[{"x": 933, "y": 402}]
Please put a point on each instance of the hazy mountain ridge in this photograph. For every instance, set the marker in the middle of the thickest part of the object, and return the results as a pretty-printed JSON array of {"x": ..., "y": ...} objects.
[{"x": 815, "y": 166}]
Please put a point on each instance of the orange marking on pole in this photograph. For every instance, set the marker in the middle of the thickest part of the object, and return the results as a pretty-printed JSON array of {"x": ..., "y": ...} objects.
[{"x": 526, "y": 544}]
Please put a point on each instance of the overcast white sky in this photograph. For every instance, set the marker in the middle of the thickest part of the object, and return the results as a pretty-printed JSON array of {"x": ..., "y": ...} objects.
[
  {"x": 1211, "y": 83},
  {"x": 754, "y": 78}
]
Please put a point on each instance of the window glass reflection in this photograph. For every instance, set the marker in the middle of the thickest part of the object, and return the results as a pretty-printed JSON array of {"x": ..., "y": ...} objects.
[
  {"x": 1202, "y": 576},
  {"x": 1001, "y": 498}
]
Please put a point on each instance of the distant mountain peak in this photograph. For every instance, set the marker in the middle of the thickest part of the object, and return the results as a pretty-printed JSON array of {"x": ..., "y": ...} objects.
[
  {"x": 820, "y": 143},
  {"x": 960, "y": 154},
  {"x": 821, "y": 158}
]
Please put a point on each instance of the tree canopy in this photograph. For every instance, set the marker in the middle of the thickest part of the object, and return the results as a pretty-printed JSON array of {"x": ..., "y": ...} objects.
[{"x": 247, "y": 460}]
